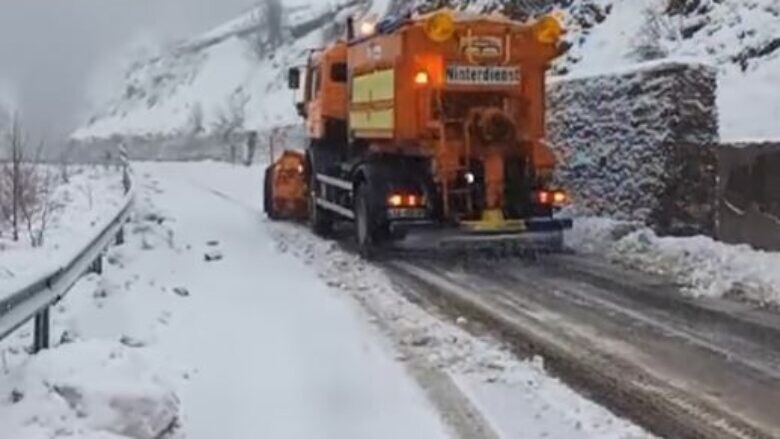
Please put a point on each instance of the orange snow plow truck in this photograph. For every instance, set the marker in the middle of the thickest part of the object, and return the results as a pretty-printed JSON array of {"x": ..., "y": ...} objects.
[{"x": 431, "y": 125}]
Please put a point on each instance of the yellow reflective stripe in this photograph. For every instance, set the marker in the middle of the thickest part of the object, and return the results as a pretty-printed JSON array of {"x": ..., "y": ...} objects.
[
  {"x": 372, "y": 120},
  {"x": 377, "y": 86}
]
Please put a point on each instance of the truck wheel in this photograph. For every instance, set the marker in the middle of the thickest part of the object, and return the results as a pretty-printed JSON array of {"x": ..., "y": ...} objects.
[
  {"x": 368, "y": 232},
  {"x": 268, "y": 193}
]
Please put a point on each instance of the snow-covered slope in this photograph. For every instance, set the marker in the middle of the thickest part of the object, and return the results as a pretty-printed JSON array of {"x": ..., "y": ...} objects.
[
  {"x": 219, "y": 80},
  {"x": 218, "y": 77},
  {"x": 741, "y": 37}
]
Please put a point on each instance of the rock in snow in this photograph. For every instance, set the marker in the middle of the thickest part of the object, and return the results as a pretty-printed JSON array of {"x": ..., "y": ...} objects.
[{"x": 87, "y": 389}]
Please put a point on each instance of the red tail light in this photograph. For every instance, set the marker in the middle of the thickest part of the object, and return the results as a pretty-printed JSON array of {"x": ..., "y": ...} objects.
[
  {"x": 399, "y": 200},
  {"x": 552, "y": 198}
]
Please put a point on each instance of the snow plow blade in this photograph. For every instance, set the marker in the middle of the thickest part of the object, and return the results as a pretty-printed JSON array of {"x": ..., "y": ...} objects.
[{"x": 523, "y": 237}]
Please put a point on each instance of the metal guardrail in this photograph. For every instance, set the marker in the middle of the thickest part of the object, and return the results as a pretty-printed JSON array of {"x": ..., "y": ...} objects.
[{"x": 34, "y": 300}]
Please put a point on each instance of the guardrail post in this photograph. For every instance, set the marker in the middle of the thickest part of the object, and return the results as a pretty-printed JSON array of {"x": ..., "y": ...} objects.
[
  {"x": 124, "y": 161},
  {"x": 41, "y": 335},
  {"x": 120, "y": 236},
  {"x": 97, "y": 265}
]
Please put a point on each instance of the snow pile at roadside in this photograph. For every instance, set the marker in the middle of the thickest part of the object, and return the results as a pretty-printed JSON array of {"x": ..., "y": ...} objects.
[
  {"x": 738, "y": 36},
  {"x": 105, "y": 376},
  {"x": 91, "y": 389},
  {"x": 702, "y": 265},
  {"x": 79, "y": 208}
]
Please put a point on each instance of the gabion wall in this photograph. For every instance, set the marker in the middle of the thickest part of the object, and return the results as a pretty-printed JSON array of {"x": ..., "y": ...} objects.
[{"x": 640, "y": 144}]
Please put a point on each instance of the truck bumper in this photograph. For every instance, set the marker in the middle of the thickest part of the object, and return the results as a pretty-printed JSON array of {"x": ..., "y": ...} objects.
[{"x": 535, "y": 234}]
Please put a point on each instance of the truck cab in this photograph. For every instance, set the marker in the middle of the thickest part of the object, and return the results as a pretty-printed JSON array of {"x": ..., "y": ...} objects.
[{"x": 324, "y": 93}]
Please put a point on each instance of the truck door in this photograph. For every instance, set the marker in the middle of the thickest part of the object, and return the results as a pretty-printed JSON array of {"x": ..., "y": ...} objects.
[{"x": 314, "y": 102}]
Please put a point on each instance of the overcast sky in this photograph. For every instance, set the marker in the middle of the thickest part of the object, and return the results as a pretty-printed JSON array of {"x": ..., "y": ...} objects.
[{"x": 50, "y": 49}]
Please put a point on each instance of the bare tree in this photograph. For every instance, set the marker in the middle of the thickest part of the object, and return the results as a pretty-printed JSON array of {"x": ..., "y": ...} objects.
[
  {"x": 231, "y": 117},
  {"x": 195, "y": 121},
  {"x": 230, "y": 121},
  {"x": 26, "y": 188},
  {"x": 658, "y": 32},
  {"x": 11, "y": 178},
  {"x": 269, "y": 27},
  {"x": 64, "y": 161},
  {"x": 38, "y": 205}
]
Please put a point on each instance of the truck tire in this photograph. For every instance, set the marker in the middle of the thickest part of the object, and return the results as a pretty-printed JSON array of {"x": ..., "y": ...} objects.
[
  {"x": 268, "y": 193},
  {"x": 368, "y": 228}
]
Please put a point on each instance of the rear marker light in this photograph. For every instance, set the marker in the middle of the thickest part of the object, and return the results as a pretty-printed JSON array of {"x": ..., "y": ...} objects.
[
  {"x": 556, "y": 198},
  {"x": 395, "y": 200},
  {"x": 405, "y": 200}
]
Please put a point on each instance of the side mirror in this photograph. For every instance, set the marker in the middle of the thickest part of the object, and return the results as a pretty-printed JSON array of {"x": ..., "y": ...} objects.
[
  {"x": 294, "y": 78},
  {"x": 301, "y": 108},
  {"x": 338, "y": 72},
  {"x": 350, "y": 28}
]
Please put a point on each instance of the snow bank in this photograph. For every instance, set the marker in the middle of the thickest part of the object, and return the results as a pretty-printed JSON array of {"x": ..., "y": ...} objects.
[
  {"x": 87, "y": 390},
  {"x": 702, "y": 265}
]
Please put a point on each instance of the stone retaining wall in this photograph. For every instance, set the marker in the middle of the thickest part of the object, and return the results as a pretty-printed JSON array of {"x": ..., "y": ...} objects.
[{"x": 639, "y": 144}]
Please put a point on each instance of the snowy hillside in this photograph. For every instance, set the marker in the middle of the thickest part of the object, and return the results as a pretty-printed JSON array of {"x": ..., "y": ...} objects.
[
  {"x": 218, "y": 78},
  {"x": 232, "y": 77},
  {"x": 741, "y": 37}
]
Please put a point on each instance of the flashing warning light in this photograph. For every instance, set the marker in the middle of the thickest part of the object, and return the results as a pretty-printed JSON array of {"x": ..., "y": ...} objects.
[
  {"x": 422, "y": 78},
  {"x": 548, "y": 29},
  {"x": 367, "y": 28},
  {"x": 440, "y": 27}
]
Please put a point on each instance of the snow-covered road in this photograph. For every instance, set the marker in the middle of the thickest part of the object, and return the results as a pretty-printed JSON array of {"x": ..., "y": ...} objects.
[
  {"x": 277, "y": 355},
  {"x": 279, "y": 335}
]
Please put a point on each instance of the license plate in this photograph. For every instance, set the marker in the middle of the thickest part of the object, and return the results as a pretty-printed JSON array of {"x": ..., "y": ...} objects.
[{"x": 483, "y": 75}]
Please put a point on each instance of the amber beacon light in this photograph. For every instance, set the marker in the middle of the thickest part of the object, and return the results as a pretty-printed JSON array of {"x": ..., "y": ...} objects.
[
  {"x": 440, "y": 27},
  {"x": 549, "y": 29}
]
